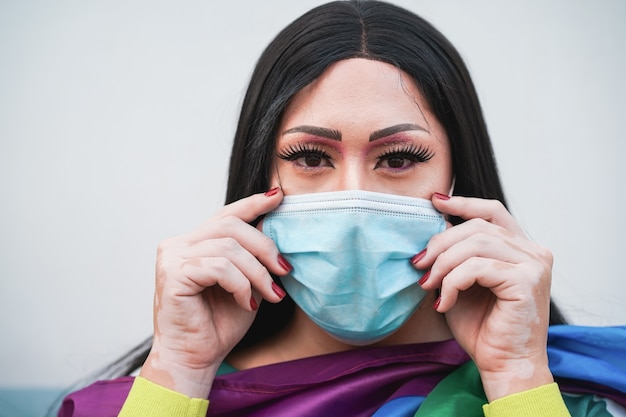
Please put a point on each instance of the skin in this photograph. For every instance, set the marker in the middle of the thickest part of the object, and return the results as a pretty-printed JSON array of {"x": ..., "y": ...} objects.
[{"x": 351, "y": 129}]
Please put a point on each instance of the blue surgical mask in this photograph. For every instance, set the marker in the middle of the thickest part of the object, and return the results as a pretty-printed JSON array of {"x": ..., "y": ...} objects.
[{"x": 350, "y": 252}]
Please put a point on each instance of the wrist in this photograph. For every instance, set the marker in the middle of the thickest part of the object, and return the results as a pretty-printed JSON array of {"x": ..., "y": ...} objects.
[
  {"x": 194, "y": 382},
  {"x": 518, "y": 376}
]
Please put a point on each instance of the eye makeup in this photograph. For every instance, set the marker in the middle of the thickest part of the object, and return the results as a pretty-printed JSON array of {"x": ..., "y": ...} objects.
[
  {"x": 310, "y": 154},
  {"x": 410, "y": 151}
]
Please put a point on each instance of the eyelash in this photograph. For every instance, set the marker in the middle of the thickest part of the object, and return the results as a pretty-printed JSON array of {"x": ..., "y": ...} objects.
[
  {"x": 301, "y": 150},
  {"x": 411, "y": 152}
]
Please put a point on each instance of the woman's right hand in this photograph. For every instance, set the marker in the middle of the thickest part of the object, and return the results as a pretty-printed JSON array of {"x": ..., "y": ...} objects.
[{"x": 208, "y": 285}]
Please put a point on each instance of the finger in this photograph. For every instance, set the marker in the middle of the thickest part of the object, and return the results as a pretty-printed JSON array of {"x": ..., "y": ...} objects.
[
  {"x": 249, "y": 264},
  {"x": 250, "y": 208},
  {"x": 472, "y": 272},
  {"x": 207, "y": 272},
  {"x": 467, "y": 208},
  {"x": 442, "y": 242},
  {"x": 250, "y": 238},
  {"x": 508, "y": 282},
  {"x": 481, "y": 245}
]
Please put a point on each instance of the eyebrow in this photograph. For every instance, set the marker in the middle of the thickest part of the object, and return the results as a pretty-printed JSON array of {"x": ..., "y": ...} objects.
[
  {"x": 388, "y": 131},
  {"x": 335, "y": 134}
]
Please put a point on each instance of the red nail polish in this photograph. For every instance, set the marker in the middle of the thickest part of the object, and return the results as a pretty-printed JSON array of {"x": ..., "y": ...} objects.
[
  {"x": 424, "y": 278},
  {"x": 442, "y": 196},
  {"x": 253, "y": 305},
  {"x": 283, "y": 263},
  {"x": 418, "y": 257},
  {"x": 437, "y": 302},
  {"x": 271, "y": 192},
  {"x": 279, "y": 291}
]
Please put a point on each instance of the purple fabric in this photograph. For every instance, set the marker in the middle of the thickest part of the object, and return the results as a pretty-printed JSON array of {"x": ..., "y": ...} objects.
[
  {"x": 328, "y": 385},
  {"x": 322, "y": 385},
  {"x": 354, "y": 383},
  {"x": 101, "y": 399}
]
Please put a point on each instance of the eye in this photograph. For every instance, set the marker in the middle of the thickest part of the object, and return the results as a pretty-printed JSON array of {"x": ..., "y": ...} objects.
[
  {"x": 404, "y": 157},
  {"x": 305, "y": 155}
]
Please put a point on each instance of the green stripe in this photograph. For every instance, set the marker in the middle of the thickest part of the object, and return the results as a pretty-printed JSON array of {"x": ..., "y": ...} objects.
[{"x": 459, "y": 394}]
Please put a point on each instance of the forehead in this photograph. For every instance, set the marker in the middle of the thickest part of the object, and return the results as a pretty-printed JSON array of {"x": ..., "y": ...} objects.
[{"x": 357, "y": 89}]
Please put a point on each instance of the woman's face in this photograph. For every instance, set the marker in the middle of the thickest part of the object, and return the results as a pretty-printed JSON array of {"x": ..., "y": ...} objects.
[{"x": 362, "y": 125}]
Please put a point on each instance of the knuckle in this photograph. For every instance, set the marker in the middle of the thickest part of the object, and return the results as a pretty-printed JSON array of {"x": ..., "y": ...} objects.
[
  {"x": 546, "y": 255},
  {"x": 442, "y": 263},
  {"x": 476, "y": 223},
  {"x": 229, "y": 244},
  {"x": 163, "y": 264},
  {"x": 536, "y": 274},
  {"x": 263, "y": 248},
  {"x": 436, "y": 241},
  {"x": 475, "y": 263},
  {"x": 259, "y": 273},
  {"x": 220, "y": 266},
  {"x": 268, "y": 248},
  {"x": 496, "y": 206},
  {"x": 481, "y": 239},
  {"x": 163, "y": 247},
  {"x": 165, "y": 260},
  {"x": 164, "y": 268},
  {"x": 229, "y": 221},
  {"x": 170, "y": 246},
  {"x": 240, "y": 286}
]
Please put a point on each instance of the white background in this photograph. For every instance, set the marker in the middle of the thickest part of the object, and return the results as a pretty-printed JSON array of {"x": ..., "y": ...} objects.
[{"x": 116, "y": 119}]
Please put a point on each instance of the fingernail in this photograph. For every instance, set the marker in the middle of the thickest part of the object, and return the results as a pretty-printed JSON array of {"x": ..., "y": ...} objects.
[
  {"x": 418, "y": 257},
  {"x": 279, "y": 291},
  {"x": 442, "y": 196},
  {"x": 271, "y": 192},
  {"x": 424, "y": 278},
  {"x": 437, "y": 302},
  {"x": 283, "y": 263},
  {"x": 253, "y": 305}
]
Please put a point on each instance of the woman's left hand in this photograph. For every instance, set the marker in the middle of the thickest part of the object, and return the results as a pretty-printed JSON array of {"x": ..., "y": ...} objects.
[{"x": 495, "y": 293}]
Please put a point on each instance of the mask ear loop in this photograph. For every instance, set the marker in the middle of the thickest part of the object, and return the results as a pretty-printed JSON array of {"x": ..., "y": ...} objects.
[
  {"x": 259, "y": 220},
  {"x": 452, "y": 186},
  {"x": 280, "y": 182},
  {"x": 450, "y": 192}
]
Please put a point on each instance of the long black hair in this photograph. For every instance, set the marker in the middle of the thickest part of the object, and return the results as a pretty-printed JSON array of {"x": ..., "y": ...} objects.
[{"x": 299, "y": 55}]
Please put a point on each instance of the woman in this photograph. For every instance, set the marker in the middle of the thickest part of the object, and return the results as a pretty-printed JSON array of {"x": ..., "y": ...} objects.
[{"x": 359, "y": 124}]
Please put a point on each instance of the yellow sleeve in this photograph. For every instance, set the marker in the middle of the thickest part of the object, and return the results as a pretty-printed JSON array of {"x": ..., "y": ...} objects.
[
  {"x": 151, "y": 400},
  {"x": 543, "y": 401}
]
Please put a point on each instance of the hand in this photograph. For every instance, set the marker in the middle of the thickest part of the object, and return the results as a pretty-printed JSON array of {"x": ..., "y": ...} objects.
[
  {"x": 208, "y": 285},
  {"x": 495, "y": 293}
]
